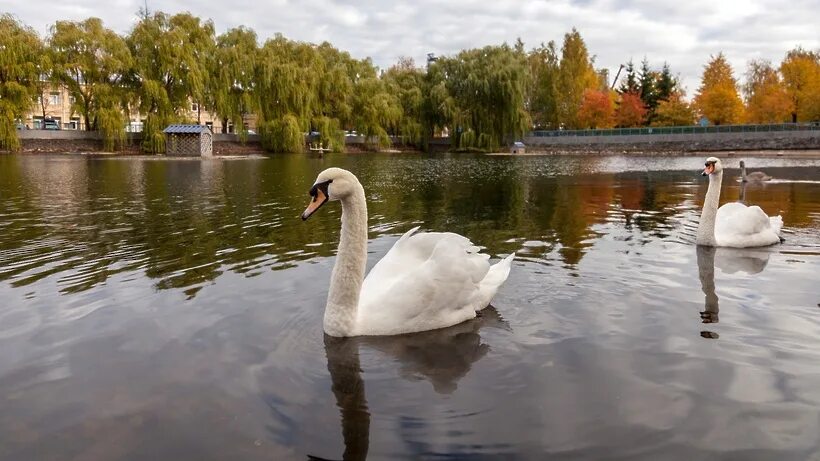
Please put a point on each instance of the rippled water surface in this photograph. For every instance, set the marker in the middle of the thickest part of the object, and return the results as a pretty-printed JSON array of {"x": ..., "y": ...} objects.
[{"x": 156, "y": 309}]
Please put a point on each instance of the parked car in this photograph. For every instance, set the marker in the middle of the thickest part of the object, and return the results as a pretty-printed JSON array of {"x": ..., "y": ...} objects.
[{"x": 51, "y": 125}]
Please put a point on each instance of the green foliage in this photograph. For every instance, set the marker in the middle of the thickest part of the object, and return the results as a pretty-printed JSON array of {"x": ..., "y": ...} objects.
[
  {"x": 648, "y": 88},
  {"x": 231, "y": 81},
  {"x": 542, "y": 95},
  {"x": 171, "y": 55},
  {"x": 630, "y": 82},
  {"x": 282, "y": 135},
  {"x": 153, "y": 139},
  {"x": 21, "y": 53},
  {"x": 482, "y": 90},
  {"x": 92, "y": 61},
  {"x": 331, "y": 136},
  {"x": 407, "y": 82},
  {"x": 666, "y": 84}
]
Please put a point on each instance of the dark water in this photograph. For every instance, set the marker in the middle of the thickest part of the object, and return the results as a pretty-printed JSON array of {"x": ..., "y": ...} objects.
[{"x": 172, "y": 310}]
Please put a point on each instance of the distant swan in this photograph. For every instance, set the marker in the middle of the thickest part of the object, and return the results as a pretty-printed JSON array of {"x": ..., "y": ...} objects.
[
  {"x": 426, "y": 281},
  {"x": 734, "y": 224},
  {"x": 756, "y": 176}
]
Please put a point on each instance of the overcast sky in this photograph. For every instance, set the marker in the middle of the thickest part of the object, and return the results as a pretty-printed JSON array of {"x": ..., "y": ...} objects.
[{"x": 683, "y": 33}]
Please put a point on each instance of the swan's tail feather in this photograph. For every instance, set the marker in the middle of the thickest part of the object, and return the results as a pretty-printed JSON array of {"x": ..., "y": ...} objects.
[
  {"x": 496, "y": 276},
  {"x": 776, "y": 222}
]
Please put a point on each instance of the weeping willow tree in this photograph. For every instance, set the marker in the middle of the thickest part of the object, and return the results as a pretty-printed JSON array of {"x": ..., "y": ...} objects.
[
  {"x": 480, "y": 91},
  {"x": 287, "y": 75},
  {"x": 232, "y": 84},
  {"x": 406, "y": 81},
  {"x": 335, "y": 99},
  {"x": 331, "y": 135},
  {"x": 171, "y": 55},
  {"x": 92, "y": 62},
  {"x": 20, "y": 54},
  {"x": 375, "y": 110}
]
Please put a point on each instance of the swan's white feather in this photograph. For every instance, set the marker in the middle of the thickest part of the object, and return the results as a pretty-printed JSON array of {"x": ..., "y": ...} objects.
[
  {"x": 739, "y": 226},
  {"x": 427, "y": 280}
]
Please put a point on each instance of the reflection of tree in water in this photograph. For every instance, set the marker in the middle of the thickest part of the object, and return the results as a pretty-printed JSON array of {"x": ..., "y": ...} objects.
[
  {"x": 729, "y": 260},
  {"x": 442, "y": 356},
  {"x": 183, "y": 223}
]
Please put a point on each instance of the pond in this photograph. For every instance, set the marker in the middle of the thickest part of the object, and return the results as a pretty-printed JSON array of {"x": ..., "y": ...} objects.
[{"x": 172, "y": 309}]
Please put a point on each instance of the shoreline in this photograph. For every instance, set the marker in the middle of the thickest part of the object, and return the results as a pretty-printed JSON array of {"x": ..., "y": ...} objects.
[
  {"x": 259, "y": 154},
  {"x": 760, "y": 153}
]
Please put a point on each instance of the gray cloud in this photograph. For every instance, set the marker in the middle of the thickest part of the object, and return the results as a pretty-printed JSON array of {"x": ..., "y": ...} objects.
[{"x": 684, "y": 34}]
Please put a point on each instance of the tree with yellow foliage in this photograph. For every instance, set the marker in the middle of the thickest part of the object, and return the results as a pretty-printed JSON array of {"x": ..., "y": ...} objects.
[
  {"x": 717, "y": 98},
  {"x": 674, "y": 111},
  {"x": 801, "y": 75},
  {"x": 766, "y": 98},
  {"x": 576, "y": 74}
]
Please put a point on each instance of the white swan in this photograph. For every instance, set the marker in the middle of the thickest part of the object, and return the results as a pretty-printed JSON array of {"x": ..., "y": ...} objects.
[
  {"x": 756, "y": 176},
  {"x": 734, "y": 224},
  {"x": 426, "y": 281}
]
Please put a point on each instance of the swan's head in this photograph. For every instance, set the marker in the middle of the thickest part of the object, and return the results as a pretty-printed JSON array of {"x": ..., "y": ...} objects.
[
  {"x": 713, "y": 165},
  {"x": 331, "y": 184}
]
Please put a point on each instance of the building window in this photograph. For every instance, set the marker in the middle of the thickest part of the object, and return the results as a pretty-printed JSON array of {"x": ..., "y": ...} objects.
[
  {"x": 72, "y": 99},
  {"x": 194, "y": 107},
  {"x": 54, "y": 98}
]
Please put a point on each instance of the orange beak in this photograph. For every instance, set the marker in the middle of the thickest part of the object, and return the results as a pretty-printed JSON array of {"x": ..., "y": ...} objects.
[
  {"x": 710, "y": 168},
  {"x": 319, "y": 199}
]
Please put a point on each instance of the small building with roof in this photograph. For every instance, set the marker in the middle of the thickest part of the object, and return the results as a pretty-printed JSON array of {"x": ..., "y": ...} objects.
[
  {"x": 188, "y": 141},
  {"x": 518, "y": 147}
]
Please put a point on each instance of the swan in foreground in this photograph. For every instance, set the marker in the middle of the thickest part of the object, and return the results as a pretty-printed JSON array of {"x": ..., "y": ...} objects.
[
  {"x": 734, "y": 224},
  {"x": 756, "y": 176},
  {"x": 426, "y": 281}
]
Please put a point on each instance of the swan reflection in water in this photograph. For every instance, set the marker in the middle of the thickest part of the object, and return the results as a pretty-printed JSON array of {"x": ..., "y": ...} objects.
[
  {"x": 442, "y": 356},
  {"x": 730, "y": 261}
]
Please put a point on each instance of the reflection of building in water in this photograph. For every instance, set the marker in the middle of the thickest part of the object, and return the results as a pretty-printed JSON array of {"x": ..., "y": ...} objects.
[
  {"x": 729, "y": 260},
  {"x": 441, "y": 356}
]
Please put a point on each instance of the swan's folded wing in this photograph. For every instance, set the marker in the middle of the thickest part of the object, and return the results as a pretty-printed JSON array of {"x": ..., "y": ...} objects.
[
  {"x": 410, "y": 251},
  {"x": 737, "y": 225},
  {"x": 423, "y": 294},
  {"x": 738, "y": 219}
]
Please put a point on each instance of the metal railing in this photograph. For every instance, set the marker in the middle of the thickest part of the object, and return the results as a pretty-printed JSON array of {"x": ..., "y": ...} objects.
[{"x": 654, "y": 130}]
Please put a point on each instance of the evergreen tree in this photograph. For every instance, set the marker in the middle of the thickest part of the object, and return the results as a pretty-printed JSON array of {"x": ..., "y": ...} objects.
[
  {"x": 649, "y": 92},
  {"x": 666, "y": 83},
  {"x": 630, "y": 82}
]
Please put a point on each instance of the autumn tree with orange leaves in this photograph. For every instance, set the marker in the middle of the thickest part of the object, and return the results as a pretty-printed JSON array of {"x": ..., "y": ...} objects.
[
  {"x": 631, "y": 111},
  {"x": 597, "y": 109},
  {"x": 717, "y": 98}
]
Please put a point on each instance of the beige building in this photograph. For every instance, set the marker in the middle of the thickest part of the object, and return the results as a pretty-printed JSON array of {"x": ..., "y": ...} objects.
[{"x": 53, "y": 110}]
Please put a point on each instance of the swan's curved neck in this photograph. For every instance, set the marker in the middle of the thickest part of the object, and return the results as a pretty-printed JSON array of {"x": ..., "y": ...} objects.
[
  {"x": 348, "y": 272},
  {"x": 743, "y": 173},
  {"x": 706, "y": 227}
]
